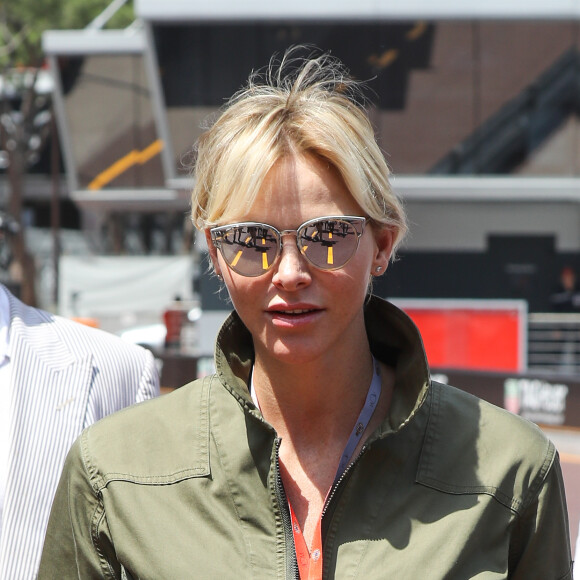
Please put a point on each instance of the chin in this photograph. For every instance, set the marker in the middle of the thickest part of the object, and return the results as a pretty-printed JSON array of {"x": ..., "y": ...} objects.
[{"x": 295, "y": 354}]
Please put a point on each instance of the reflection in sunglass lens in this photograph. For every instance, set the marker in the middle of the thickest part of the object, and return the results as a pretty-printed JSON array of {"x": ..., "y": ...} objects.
[
  {"x": 249, "y": 250},
  {"x": 328, "y": 244}
]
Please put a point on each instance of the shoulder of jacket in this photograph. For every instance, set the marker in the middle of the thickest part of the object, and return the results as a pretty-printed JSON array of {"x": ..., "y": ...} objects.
[
  {"x": 472, "y": 446},
  {"x": 159, "y": 441},
  {"x": 38, "y": 326},
  {"x": 81, "y": 337}
]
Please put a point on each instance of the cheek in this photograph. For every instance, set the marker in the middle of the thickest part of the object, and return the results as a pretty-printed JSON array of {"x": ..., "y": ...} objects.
[
  {"x": 243, "y": 291},
  {"x": 355, "y": 278},
  {"x": 350, "y": 283},
  {"x": 364, "y": 258}
]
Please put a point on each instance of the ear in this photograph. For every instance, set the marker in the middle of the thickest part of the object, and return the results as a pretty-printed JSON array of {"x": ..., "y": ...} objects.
[
  {"x": 384, "y": 239},
  {"x": 213, "y": 253}
]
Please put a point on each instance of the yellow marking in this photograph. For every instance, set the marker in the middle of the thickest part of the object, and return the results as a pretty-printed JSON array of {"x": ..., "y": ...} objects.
[
  {"x": 329, "y": 254},
  {"x": 133, "y": 158},
  {"x": 389, "y": 56},
  {"x": 385, "y": 59},
  {"x": 236, "y": 259},
  {"x": 264, "y": 261},
  {"x": 239, "y": 254},
  {"x": 416, "y": 31}
]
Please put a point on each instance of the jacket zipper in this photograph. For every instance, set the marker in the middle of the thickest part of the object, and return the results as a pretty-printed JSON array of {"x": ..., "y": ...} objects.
[
  {"x": 344, "y": 476},
  {"x": 331, "y": 495},
  {"x": 292, "y": 572}
]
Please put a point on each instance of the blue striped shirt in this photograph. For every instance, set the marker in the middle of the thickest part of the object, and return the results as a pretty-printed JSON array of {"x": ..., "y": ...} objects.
[{"x": 65, "y": 376}]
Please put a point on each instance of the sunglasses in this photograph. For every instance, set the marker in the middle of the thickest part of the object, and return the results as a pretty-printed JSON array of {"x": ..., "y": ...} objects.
[{"x": 252, "y": 248}]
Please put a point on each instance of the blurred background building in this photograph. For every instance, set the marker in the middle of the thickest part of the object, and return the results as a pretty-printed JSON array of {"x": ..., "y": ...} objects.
[{"x": 476, "y": 106}]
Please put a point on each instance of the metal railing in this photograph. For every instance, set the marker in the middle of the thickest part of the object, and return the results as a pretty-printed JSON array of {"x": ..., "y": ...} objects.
[{"x": 554, "y": 342}]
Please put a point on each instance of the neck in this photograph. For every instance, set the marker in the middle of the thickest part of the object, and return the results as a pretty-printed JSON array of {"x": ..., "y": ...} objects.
[
  {"x": 315, "y": 400},
  {"x": 313, "y": 406}
]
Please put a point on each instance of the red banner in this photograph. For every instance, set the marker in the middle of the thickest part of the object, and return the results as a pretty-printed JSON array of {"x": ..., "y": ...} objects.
[{"x": 486, "y": 335}]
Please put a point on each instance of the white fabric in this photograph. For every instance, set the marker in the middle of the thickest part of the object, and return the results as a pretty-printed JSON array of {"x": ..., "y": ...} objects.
[
  {"x": 5, "y": 392},
  {"x": 114, "y": 285},
  {"x": 65, "y": 376}
]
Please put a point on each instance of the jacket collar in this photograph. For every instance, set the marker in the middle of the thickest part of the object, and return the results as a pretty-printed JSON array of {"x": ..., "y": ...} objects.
[
  {"x": 394, "y": 340},
  {"x": 234, "y": 357}
]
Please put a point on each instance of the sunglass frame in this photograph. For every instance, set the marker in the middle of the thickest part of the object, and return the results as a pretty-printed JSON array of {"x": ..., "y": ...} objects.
[{"x": 357, "y": 222}]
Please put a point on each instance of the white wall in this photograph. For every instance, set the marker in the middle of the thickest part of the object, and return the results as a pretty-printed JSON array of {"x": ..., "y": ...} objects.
[
  {"x": 122, "y": 291},
  {"x": 464, "y": 225}
]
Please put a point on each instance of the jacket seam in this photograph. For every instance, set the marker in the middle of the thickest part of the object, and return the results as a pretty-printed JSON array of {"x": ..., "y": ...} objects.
[
  {"x": 99, "y": 510},
  {"x": 97, "y": 519},
  {"x": 203, "y": 428},
  {"x": 233, "y": 503},
  {"x": 540, "y": 478},
  {"x": 513, "y": 504},
  {"x": 100, "y": 481},
  {"x": 517, "y": 506},
  {"x": 430, "y": 431},
  {"x": 170, "y": 479}
]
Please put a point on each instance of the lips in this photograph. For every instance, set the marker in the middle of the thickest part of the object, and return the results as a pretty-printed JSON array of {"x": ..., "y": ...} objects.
[
  {"x": 285, "y": 314},
  {"x": 291, "y": 309}
]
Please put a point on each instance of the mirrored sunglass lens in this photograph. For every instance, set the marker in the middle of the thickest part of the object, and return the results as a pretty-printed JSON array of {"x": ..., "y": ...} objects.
[
  {"x": 249, "y": 250},
  {"x": 328, "y": 244}
]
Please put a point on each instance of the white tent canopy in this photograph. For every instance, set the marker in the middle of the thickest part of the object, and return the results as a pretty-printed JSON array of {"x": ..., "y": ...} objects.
[{"x": 122, "y": 291}]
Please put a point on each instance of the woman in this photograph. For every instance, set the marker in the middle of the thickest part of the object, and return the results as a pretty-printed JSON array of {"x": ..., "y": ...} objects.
[{"x": 320, "y": 448}]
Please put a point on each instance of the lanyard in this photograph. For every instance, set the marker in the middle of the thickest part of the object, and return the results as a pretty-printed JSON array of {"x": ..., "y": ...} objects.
[
  {"x": 362, "y": 422},
  {"x": 310, "y": 561}
]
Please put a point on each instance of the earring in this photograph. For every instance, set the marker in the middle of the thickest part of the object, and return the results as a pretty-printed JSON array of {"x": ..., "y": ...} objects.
[{"x": 378, "y": 269}]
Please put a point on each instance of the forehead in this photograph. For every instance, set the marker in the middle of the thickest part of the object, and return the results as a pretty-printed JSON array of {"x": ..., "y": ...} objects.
[{"x": 299, "y": 188}]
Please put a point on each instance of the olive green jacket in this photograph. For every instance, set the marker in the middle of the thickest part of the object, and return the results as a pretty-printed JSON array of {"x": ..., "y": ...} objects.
[{"x": 187, "y": 486}]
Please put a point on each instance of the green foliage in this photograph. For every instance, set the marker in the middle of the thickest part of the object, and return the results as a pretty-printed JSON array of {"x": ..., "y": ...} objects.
[{"x": 22, "y": 23}]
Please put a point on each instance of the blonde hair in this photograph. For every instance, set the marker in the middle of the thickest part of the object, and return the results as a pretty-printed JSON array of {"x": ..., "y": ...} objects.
[{"x": 296, "y": 106}]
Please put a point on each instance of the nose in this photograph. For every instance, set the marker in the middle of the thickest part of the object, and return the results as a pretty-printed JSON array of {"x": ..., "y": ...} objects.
[{"x": 292, "y": 271}]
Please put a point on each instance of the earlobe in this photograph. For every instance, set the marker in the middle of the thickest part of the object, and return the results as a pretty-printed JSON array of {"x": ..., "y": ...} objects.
[{"x": 384, "y": 246}]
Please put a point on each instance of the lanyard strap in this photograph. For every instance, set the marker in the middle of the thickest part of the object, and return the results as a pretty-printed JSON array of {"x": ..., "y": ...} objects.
[
  {"x": 362, "y": 422},
  {"x": 310, "y": 561}
]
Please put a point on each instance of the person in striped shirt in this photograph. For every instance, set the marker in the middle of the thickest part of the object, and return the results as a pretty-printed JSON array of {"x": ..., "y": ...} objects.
[{"x": 56, "y": 378}]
